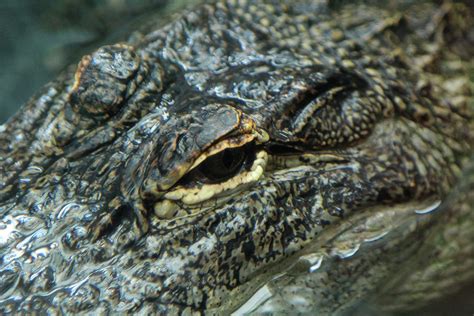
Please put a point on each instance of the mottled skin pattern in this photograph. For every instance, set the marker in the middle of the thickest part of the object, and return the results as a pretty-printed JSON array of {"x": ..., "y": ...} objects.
[{"x": 363, "y": 113}]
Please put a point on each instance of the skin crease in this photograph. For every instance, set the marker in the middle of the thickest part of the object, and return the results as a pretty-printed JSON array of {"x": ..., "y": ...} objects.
[{"x": 364, "y": 113}]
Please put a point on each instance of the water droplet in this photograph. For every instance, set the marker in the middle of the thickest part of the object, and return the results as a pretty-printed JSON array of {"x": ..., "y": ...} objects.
[
  {"x": 346, "y": 251},
  {"x": 313, "y": 260},
  {"x": 429, "y": 209},
  {"x": 317, "y": 265},
  {"x": 33, "y": 170},
  {"x": 65, "y": 210},
  {"x": 376, "y": 236},
  {"x": 24, "y": 180},
  {"x": 40, "y": 253}
]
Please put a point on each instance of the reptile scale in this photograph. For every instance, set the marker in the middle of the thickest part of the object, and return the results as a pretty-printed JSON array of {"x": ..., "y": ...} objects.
[{"x": 248, "y": 157}]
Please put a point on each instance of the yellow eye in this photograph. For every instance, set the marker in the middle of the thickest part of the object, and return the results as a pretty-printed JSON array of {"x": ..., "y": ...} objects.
[
  {"x": 228, "y": 164},
  {"x": 222, "y": 166},
  {"x": 220, "y": 173}
]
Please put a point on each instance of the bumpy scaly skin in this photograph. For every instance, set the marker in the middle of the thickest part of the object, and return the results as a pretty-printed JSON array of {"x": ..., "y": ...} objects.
[{"x": 363, "y": 112}]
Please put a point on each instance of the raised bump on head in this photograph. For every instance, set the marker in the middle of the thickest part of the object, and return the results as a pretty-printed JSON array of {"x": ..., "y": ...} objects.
[{"x": 102, "y": 80}]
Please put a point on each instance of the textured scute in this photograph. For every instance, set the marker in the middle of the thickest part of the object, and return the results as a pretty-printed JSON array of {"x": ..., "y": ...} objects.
[{"x": 365, "y": 113}]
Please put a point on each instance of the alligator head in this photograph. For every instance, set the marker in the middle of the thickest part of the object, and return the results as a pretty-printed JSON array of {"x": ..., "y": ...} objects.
[{"x": 244, "y": 148}]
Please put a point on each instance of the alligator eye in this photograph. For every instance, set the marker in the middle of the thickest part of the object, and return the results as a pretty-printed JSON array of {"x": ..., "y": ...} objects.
[
  {"x": 221, "y": 172},
  {"x": 223, "y": 165}
]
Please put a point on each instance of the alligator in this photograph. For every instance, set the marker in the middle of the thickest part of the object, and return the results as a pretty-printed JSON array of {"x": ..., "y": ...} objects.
[{"x": 248, "y": 157}]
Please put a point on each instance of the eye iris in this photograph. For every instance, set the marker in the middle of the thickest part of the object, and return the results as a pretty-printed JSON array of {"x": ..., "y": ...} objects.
[{"x": 223, "y": 165}]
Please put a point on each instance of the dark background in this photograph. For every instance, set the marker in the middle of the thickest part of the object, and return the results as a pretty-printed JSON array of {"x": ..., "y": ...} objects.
[{"x": 38, "y": 38}]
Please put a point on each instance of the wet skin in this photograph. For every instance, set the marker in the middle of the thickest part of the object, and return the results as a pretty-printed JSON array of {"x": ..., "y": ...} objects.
[{"x": 302, "y": 156}]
